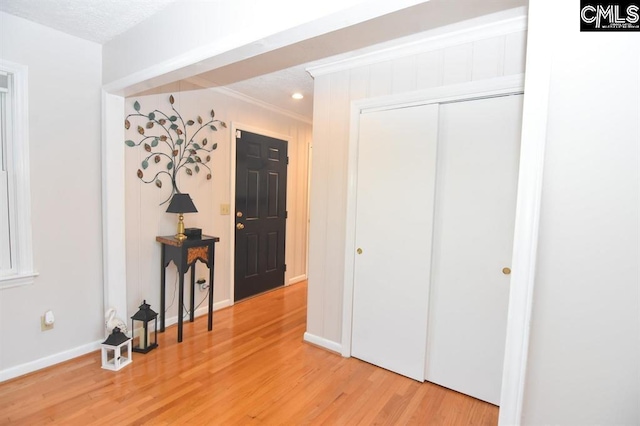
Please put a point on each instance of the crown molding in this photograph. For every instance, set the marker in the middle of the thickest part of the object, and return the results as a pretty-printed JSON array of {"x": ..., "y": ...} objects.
[
  {"x": 199, "y": 81},
  {"x": 485, "y": 27}
]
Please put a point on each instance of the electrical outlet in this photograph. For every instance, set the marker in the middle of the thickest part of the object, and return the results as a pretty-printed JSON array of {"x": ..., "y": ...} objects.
[
  {"x": 203, "y": 284},
  {"x": 44, "y": 326},
  {"x": 224, "y": 209}
]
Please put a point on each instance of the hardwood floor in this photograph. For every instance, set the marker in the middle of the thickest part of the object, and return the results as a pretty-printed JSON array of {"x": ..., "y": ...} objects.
[{"x": 253, "y": 368}]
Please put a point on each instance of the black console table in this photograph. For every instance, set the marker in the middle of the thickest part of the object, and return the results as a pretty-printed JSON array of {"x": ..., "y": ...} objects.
[{"x": 184, "y": 255}]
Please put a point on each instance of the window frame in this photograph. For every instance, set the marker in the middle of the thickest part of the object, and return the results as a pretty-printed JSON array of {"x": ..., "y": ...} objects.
[{"x": 22, "y": 271}]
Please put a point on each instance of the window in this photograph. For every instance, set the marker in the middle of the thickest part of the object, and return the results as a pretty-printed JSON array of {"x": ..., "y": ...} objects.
[
  {"x": 16, "y": 258},
  {"x": 5, "y": 234}
]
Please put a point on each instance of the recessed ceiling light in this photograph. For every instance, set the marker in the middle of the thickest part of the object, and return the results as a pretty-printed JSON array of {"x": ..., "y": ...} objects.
[{"x": 297, "y": 96}]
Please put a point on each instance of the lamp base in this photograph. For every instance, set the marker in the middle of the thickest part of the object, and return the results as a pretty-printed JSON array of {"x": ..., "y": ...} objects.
[{"x": 180, "y": 235}]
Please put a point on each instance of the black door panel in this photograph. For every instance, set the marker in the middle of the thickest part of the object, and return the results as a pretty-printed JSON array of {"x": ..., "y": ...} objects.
[{"x": 261, "y": 182}]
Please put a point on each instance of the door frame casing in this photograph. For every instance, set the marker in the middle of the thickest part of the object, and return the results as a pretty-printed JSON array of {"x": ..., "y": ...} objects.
[
  {"x": 510, "y": 85},
  {"x": 235, "y": 126}
]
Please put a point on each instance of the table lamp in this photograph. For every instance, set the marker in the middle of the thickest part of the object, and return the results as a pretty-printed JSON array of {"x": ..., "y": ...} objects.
[{"x": 181, "y": 203}]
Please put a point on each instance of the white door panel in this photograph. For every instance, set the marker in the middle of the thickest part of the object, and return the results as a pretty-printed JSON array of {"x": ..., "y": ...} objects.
[
  {"x": 479, "y": 148},
  {"x": 394, "y": 224}
]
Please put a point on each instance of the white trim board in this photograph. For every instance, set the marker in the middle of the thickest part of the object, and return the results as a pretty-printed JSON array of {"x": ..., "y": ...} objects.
[
  {"x": 464, "y": 91},
  {"x": 540, "y": 51},
  {"x": 297, "y": 279},
  {"x": 38, "y": 364},
  {"x": 48, "y": 361},
  {"x": 23, "y": 271},
  {"x": 473, "y": 30},
  {"x": 113, "y": 208},
  {"x": 322, "y": 342}
]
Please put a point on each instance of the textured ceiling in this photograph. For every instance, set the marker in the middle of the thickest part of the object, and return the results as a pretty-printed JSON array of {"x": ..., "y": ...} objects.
[{"x": 94, "y": 20}]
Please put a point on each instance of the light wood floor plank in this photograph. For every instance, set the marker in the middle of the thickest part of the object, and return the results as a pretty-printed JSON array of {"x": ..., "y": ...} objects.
[{"x": 253, "y": 368}]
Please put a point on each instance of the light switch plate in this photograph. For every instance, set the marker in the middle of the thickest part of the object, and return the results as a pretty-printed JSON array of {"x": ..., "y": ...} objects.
[{"x": 224, "y": 209}]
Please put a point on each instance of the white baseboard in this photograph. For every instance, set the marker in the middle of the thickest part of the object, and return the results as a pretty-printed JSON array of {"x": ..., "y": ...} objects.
[
  {"x": 48, "y": 361},
  {"x": 199, "y": 312},
  {"x": 322, "y": 342},
  {"x": 295, "y": 280}
]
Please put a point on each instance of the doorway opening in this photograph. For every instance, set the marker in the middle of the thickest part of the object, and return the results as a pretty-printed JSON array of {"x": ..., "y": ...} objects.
[{"x": 260, "y": 213}]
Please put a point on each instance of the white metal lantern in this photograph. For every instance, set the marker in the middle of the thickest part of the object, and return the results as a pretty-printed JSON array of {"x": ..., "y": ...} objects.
[{"x": 116, "y": 351}]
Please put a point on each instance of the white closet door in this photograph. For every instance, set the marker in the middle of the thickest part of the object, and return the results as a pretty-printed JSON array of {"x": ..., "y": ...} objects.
[
  {"x": 479, "y": 148},
  {"x": 395, "y": 196}
]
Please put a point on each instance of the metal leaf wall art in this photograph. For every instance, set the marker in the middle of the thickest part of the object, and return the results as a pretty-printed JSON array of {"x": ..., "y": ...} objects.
[{"x": 172, "y": 145}]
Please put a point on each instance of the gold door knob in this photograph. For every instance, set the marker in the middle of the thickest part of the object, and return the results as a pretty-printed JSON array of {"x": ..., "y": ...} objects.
[
  {"x": 239, "y": 226},
  {"x": 506, "y": 271},
  {"x": 359, "y": 251},
  {"x": 239, "y": 214}
]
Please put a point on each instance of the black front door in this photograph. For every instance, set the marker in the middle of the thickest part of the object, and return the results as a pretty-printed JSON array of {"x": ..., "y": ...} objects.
[{"x": 261, "y": 199}]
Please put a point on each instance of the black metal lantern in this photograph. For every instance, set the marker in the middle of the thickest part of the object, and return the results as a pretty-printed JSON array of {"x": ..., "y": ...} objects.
[{"x": 144, "y": 338}]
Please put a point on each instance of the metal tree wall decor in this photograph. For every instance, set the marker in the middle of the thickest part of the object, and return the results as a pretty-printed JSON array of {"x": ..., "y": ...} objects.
[{"x": 172, "y": 144}]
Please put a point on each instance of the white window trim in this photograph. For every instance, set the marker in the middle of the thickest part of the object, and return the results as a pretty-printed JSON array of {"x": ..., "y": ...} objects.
[{"x": 24, "y": 272}]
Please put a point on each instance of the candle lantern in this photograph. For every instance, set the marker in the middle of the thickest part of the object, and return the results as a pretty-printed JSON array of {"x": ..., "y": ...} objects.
[
  {"x": 145, "y": 334},
  {"x": 116, "y": 351}
]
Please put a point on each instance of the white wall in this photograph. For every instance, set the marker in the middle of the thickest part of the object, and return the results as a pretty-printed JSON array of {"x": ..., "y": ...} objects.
[
  {"x": 464, "y": 61},
  {"x": 145, "y": 219},
  {"x": 64, "y": 135},
  {"x": 584, "y": 352}
]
